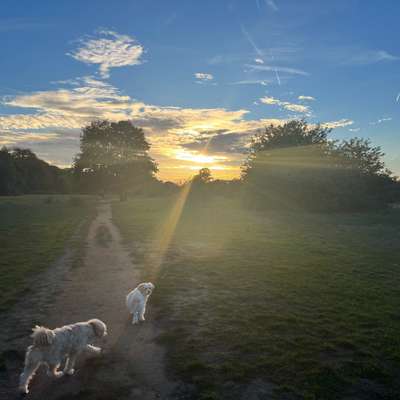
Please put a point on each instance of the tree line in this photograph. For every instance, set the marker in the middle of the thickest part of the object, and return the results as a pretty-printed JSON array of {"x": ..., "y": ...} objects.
[{"x": 294, "y": 166}]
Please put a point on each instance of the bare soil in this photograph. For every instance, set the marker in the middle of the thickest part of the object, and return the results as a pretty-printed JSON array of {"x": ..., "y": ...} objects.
[{"x": 132, "y": 365}]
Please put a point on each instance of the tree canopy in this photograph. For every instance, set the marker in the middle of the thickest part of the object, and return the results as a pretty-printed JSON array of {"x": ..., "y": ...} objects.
[
  {"x": 113, "y": 157},
  {"x": 21, "y": 171},
  {"x": 297, "y": 165}
]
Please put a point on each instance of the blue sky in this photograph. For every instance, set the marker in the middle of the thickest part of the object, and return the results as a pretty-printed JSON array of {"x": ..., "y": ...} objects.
[{"x": 193, "y": 72}]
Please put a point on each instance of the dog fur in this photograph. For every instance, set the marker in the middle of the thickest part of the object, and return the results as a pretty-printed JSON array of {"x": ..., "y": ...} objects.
[
  {"x": 51, "y": 347},
  {"x": 136, "y": 301}
]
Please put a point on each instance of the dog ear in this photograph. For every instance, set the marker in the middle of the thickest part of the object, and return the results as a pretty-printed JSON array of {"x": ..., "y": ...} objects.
[{"x": 99, "y": 327}]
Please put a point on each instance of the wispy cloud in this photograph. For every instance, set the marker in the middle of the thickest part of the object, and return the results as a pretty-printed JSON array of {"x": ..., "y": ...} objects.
[
  {"x": 369, "y": 57},
  {"x": 380, "y": 120},
  {"x": 272, "y": 5},
  {"x": 109, "y": 50},
  {"x": 338, "y": 124},
  {"x": 261, "y": 82},
  {"x": 258, "y": 61},
  {"x": 291, "y": 71},
  {"x": 306, "y": 98},
  {"x": 354, "y": 129},
  {"x": 298, "y": 108},
  {"x": 249, "y": 38}
]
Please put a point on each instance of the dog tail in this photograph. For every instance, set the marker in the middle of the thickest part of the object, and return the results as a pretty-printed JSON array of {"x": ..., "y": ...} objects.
[{"x": 42, "y": 336}]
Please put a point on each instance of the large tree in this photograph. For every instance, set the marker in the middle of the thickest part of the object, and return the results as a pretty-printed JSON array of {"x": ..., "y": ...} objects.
[
  {"x": 114, "y": 157},
  {"x": 296, "y": 165}
]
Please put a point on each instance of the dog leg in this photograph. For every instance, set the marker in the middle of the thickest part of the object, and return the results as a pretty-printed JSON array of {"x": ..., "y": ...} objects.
[
  {"x": 26, "y": 376},
  {"x": 135, "y": 318},
  {"x": 69, "y": 365},
  {"x": 141, "y": 313},
  {"x": 93, "y": 349},
  {"x": 53, "y": 371}
]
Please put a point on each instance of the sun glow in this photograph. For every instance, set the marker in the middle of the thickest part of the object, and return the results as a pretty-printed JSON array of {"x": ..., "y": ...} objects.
[{"x": 197, "y": 157}]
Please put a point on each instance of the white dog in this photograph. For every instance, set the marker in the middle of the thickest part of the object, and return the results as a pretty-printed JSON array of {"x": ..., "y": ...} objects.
[
  {"x": 50, "y": 347},
  {"x": 136, "y": 301}
]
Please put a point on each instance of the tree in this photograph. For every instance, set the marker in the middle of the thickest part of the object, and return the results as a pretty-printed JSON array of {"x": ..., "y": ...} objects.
[
  {"x": 296, "y": 166},
  {"x": 203, "y": 176},
  {"x": 8, "y": 173},
  {"x": 114, "y": 157}
]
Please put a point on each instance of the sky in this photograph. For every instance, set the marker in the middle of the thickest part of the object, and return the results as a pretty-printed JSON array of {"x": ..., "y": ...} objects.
[{"x": 200, "y": 77}]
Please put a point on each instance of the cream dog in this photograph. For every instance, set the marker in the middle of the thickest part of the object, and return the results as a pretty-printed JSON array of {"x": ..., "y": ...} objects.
[
  {"x": 136, "y": 301},
  {"x": 50, "y": 347}
]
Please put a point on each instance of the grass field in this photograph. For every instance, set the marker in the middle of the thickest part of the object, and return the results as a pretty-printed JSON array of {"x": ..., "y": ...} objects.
[
  {"x": 307, "y": 305},
  {"x": 34, "y": 231}
]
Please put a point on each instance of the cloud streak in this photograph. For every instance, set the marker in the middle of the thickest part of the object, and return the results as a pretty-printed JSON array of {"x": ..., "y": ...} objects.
[{"x": 269, "y": 68}]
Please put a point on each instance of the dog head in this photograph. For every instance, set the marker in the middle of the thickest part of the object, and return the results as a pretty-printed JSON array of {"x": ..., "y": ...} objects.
[
  {"x": 146, "y": 288},
  {"x": 99, "y": 327}
]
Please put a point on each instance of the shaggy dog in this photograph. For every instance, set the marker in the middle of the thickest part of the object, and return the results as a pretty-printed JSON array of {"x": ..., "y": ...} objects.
[
  {"x": 50, "y": 347},
  {"x": 136, "y": 301}
]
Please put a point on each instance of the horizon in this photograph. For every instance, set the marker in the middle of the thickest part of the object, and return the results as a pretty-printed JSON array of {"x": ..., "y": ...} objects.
[{"x": 200, "y": 79}]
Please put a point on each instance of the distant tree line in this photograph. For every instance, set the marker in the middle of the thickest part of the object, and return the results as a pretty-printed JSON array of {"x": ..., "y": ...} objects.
[
  {"x": 22, "y": 172},
  {"x": 293, "y": 166}
]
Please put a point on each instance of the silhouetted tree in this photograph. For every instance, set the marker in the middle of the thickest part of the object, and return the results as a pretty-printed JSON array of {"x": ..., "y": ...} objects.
[
  {"x": 203, "y": 176},
  {"x": 114, "y": 157},
  {"x": 8, "y": 173},
  {"x": 295, "y": 165}
]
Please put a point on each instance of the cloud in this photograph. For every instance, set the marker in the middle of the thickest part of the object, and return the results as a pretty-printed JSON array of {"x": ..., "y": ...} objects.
[
  {"x": 369, "y": 57},
  {"x": 258, "y": 61},
  {"x": 354, "y": 129},
  {"x": 379, "y": 121},
  {"x": 299, "y": 108},
  {"x": 262, "y": 82},
  {"x": 14, "y": 138},
  {"x": 272, "y": 5},
  {"x": 203, "y": 76},
  {"x": 306, "y": 98},
  {"x": 337, "y": 124},
  {"x": 291, "y": 71},
  {"x": 109, "y": 50}
]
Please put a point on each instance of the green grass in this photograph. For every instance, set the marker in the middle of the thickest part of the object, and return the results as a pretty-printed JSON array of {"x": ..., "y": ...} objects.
[
  {"x": 307, "y": 302},
  {"x": 34, "y": 231}
]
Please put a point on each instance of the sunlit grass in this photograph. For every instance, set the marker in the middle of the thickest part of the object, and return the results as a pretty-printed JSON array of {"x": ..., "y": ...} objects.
[{"x": 307, "y": 302}]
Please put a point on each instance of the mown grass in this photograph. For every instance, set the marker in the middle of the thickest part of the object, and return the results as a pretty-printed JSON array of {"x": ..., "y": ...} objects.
[
  {"x": 309, "y": 303},
  {"x": 34, "y": 231}
]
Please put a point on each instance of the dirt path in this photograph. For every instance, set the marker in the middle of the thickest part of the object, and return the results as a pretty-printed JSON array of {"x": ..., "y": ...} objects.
[{"x": 132, "y": 366}]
